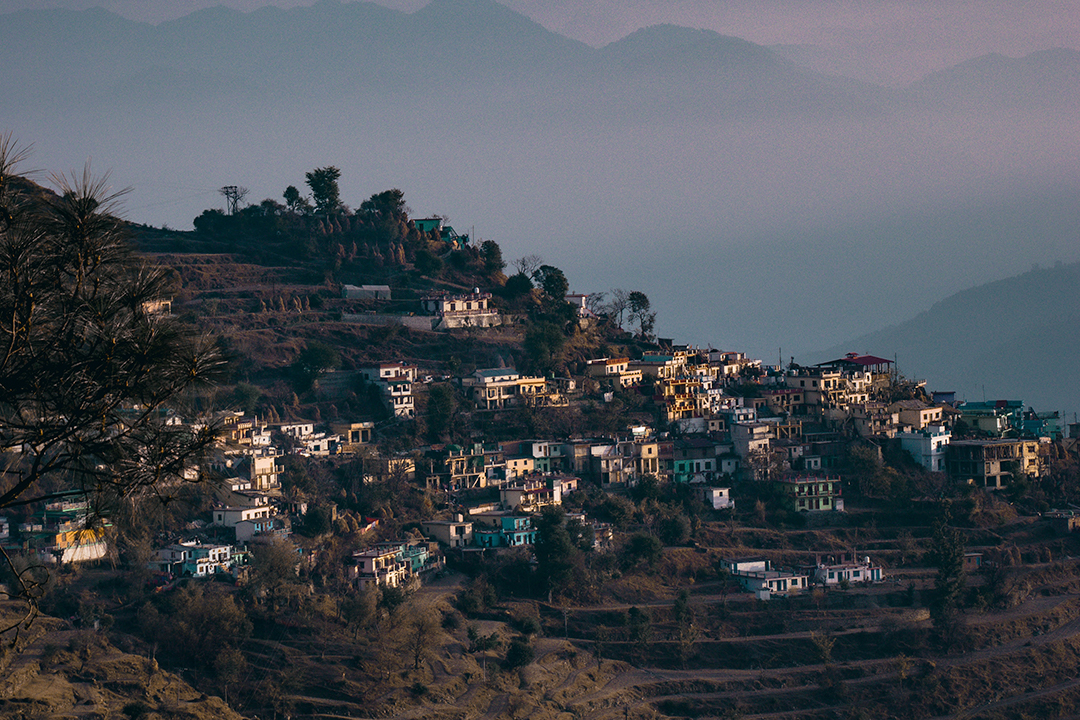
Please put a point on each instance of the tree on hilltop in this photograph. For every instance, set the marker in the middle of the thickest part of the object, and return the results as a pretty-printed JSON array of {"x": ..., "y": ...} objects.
[
  {"x": 295, "y": 202},
  {"x": 387, "y": 205},
  {"x": 324, "y": 189},
  {"x": 639, "y": 306}
]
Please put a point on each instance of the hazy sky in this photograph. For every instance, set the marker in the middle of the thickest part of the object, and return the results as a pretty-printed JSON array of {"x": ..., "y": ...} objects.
[
  {"x": 789, "y": 226},
  {"x": 886, "y": 41}
]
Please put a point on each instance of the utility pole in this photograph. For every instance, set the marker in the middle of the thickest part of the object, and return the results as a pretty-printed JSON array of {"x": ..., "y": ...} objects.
[{"x": 233, "y": 195}]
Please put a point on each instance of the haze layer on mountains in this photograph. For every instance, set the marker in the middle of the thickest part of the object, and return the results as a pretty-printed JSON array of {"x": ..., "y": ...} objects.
[
  {"x": 891, "y": 43},
  {"x": 762, "y": 203}
]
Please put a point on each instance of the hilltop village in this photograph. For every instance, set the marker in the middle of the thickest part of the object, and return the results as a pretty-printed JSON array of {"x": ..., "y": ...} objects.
[{"x": 430, "y": 487}]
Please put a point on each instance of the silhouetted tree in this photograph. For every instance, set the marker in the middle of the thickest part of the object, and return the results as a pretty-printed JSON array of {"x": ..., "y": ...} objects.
[
  {"x": 442, "y": 403},
  {"x": 638, "y": 304},
  {"x": 90, "y": 366},
  {"x": 553, "y": 282},
  {"x": 555, "y": 550},
  {"x": 315, "y": 359},
  {"x": 389, "y": 205},
  {"x": 295, "y": 202},
  {"x": 492, "y": 255},
  {"x": 324, "y": 189}
]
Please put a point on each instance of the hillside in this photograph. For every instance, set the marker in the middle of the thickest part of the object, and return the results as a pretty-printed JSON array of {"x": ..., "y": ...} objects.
[
  {"x": 1014, "y": 338},
  {"x": 863, "y": 651},
  {"x": 56, "y": 669}
]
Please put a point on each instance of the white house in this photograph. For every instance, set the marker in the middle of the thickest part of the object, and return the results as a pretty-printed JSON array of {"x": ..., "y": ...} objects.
[
  {"x": 718, "y": 498},
  {"x": 927, "y": 446},
  {"x": 757, "y": 576},
  {"x": 395, "y": 381},
  {"x": 459, "y": 311},
  {"x": 830, "y": 571}
]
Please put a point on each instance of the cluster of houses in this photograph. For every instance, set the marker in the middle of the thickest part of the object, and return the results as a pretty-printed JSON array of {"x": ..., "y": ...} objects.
[
  {"x": 757, "y": 574},
  {"x": 725, "y": 417},
  {"x": 731, "y": 415},
  {"x": 509, "y": 523},
  {"x": 737, "y": 415},
  {"x": 60, "y": 532}
]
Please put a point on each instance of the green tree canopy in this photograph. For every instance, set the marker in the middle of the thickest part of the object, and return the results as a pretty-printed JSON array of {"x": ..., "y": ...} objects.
[
  {"x": 553, "y": 282},
  {"x": 947, "y": 555},
  {"x": 638, "y": 304},
  {"x": 517, "y": 285},
  {"x": 442, "y": 403},
  {"x": 643, "y": 546},
  {"x": 544, "y": 342},
  {"x": 295, "y": 202},
  {"x": 555, "y": 550},
  {"x": 492, "y": 256},
  {"x": 315, "y": 359},
  {"x": 324, "y": 189},
  {"x": 389, "y": 204}
]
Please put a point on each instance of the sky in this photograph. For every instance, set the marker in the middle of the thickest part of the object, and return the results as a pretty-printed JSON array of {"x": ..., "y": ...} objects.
[
  {"x": 778, "y": 235},
  {"x": 890, "y": 42}
]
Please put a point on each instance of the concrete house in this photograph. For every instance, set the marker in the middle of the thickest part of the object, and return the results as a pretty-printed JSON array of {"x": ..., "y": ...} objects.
[
  {"x": 613, "y": 372},
  {"x": 497, "y": 388},
  {"x": 353, "y": 435},
  {"x": 456, "y": 533},
  {"x": 993, "y": 463},
  {"x": 195, "y": 559},
  {"x": 718, "y": 498},
  {"x": 927, "y": 446},
  {"x": 811, "y": 493},
  {"x": 756, "y": 575},
  {"x": 395, "y": 382},
  {"x": 695, "y": 460},
  {"x": 460, "y": 311},
  {"x": 365, "y": 292},
  {"x": 916, "y": 414},
  {"x": 500, "y": 529},
  {"x": 532, "y": 494},
  {"x": 835, "y": 570},
  {"x": 382, "y": 565}
]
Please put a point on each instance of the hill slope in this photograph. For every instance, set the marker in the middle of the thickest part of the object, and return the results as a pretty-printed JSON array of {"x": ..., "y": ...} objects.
[{"x": 1014, "y": 338}]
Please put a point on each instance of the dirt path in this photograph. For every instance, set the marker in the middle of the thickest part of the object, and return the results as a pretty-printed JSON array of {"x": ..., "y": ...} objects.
[
  {"x": 1005, "y": 702},
  {"x": 497, "y": 706},
  {"x": 626, "y": 686}
]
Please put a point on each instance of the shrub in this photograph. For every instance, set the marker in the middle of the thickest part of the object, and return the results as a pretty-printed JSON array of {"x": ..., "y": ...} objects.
[{"x": 520, "y": 653}]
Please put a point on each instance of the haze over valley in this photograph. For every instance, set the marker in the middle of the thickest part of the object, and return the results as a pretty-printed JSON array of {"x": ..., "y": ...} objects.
[{"x": 760, "y": 204}]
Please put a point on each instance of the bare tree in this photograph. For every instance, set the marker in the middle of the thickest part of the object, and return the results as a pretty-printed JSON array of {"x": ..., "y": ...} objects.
[
  {"x": 617, "y": 305},
  {"x": 90, "y": 369},
  {"x": 595, "y": 302},
  {"x": 420, "y": 636},
  {"x": 528, "y": 265}
]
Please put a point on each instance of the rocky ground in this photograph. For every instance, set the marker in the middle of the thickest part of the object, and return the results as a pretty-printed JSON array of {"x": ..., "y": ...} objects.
[{"x": 55, "y": 671}]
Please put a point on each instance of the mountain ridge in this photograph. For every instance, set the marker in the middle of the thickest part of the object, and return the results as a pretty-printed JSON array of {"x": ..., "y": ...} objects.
[{"x": 1004, "y": 338}]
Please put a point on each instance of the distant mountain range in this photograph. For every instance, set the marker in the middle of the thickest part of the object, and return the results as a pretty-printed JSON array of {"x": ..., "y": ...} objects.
[
  {"x": 1013, "y": 339},
  {"x": 757, "y": 202},
  {"x": 97, "y": 57}
]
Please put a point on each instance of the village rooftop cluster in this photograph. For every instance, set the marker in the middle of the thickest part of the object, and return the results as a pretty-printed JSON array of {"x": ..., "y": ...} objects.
[{"x": 725, "y": 418}]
